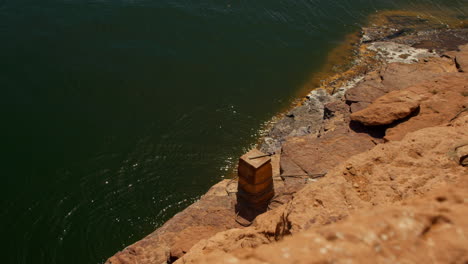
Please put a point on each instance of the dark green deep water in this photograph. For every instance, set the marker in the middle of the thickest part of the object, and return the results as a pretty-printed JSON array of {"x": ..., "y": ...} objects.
[{"x": 117, "y": 114}]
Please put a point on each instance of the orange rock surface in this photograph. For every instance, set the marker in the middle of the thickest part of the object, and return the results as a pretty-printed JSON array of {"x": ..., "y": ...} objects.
[
  {"x": 389, "y": 202},
  {"x": 402, "y": 201},
  {"x": 380, "y": 178}
]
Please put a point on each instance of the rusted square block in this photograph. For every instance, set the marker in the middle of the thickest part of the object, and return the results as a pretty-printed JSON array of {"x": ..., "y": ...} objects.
[
  {"x": 255, "y": 171},
  {"x": 255, "y": 188},
  {"x": 256, "y": 200}
]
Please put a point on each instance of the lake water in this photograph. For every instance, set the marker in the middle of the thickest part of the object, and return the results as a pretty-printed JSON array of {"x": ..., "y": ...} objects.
[{"x": 117, "y": 114}]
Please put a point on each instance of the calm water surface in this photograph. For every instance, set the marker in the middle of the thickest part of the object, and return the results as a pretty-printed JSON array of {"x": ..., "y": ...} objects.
[{"x": 117, "y": 114}]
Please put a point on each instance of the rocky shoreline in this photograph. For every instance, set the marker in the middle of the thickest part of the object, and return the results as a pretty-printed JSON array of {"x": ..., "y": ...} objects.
[{"x": 374, "y": 136}]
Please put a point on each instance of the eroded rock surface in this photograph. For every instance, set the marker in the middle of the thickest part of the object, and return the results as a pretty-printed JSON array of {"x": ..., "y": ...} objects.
[
  {"x": 394, "y": 52},
  {"x": 302, "y": 120},
  {"x": 442, "y": 99},
  {"x": 334, "y": 169},
  {"x": 388, "y": 108},
  {"x": 428, "y": 229},
  {"x": 389, "y": 173},
  {"x": 379, "y": 177},
  {"x": 315, "y": 156},
  {"x": 394, "y": 77}
]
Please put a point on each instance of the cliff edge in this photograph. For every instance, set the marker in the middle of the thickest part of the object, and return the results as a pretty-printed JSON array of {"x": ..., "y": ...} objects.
[{"x": 370, "y": 168}]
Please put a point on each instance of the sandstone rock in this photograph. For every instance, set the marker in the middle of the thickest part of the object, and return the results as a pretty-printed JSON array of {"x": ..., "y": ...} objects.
[
  {"x": 385, "y": 174},
  {"x": 335, "y": 108},
  {"x": 429, "y": 229},
  {"x": 302, "y": 120},
  {"x": 289, "y": 167},
  {"x": 461, "y": 58},
  {"x": 442, "y": 99},
  {"x": 462, "y": 154},
  {"x": 367, "y": 90},
  {"x": 388, "y": 173},
  {"x": 358, "y": 106},
  {"x": 294, "y": 179},
  {"x": 185, "y": 239},
  {"x": 315, "y": 156},
  {"x": 388, "y": 108},
  {"x": 306, "y": 119},
  {"x": 396, "y": 76}
]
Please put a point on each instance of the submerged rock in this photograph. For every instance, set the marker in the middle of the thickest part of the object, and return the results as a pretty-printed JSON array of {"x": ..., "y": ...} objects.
[
  {"x": 300, "y": 121},
  {"x": 394, "y": 52}
]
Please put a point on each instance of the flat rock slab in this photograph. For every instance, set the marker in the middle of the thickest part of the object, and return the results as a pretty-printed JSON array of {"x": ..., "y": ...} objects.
[
  {"x": 442, "y": 99},
  {"x": 315, "y": 156},
  {"x": 397, "y": 76},
  {"x": 388, "y": 108},
  {"x": 437, "y": 88},
  {"x": 393, "y": 77}
]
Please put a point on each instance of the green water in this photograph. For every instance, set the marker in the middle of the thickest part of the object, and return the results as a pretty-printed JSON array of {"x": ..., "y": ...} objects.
[{"x": 117, "y": 114}]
